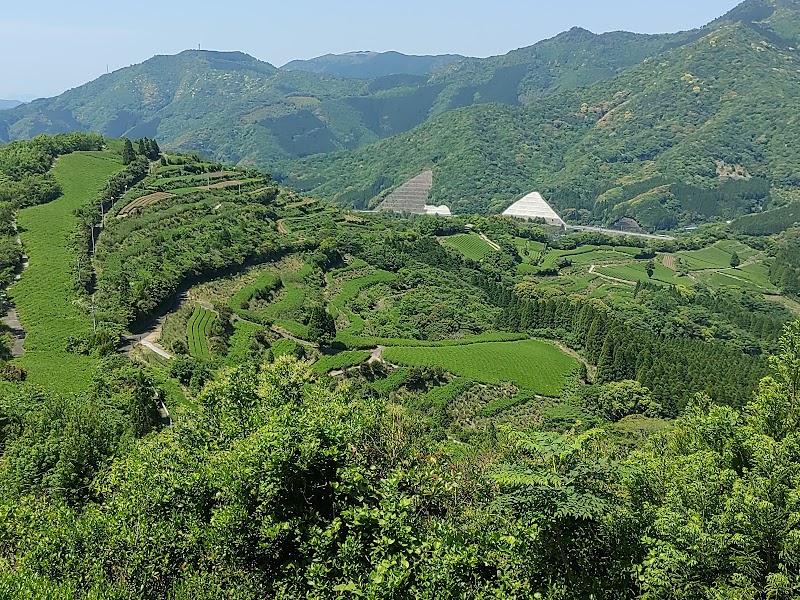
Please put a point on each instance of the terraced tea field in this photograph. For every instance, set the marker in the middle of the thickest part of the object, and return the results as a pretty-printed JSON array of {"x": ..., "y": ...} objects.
[
  {"x": 197, "y": 330},
  {"x": 142, "y": 202},
  {"x": 470, "y": 245},
  {"x": 45, "y": 296},
  {"x": 342, "y": 360},
  {"x": 530, "y": 364}
]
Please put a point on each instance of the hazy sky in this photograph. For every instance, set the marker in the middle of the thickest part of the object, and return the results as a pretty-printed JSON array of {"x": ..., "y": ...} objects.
[{"x": 53, "y": 45}]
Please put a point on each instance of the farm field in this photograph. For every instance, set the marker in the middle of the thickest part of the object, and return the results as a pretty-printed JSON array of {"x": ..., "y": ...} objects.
[
  {"x": 588, "y": 255},
  {"x": 470, "y": 245},
  {"x": 637, "y": 272},
  {"x": 717, "y": 256},
  {"x": 45, "y": 294},
  {"x": 754, "y": 277},
  {"x": 350, "y": 289},
  {"x": 197, "y": 330},
  {"x": 288, "y": 280},
  {"x": 530, "y": 364},
  {"x": 290, "y": 301},
  {"x": 239, "y": 343},
  {"x": 143, "y": 201}
]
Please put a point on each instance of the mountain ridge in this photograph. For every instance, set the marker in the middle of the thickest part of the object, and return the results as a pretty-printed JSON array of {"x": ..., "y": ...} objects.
[
  {"x": 686, "y": 117},
  {"x": 578, "y": 115},
  {"x": 236, "y": 108},
  {"x": 369, "y": 64},
  {"x": 6, "y": 104}
]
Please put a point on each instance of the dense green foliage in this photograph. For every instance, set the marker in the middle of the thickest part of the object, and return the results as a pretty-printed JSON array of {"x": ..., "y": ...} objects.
[
  {"x": 428, "y": 447},
  {"x": 785, "y": 269},
  {"x": 145, "y": 260},
  {"x": 281, "y": 486}
]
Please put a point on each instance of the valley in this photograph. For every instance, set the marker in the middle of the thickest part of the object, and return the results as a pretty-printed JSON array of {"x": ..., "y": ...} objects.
[{"x": 388, "y": 326}]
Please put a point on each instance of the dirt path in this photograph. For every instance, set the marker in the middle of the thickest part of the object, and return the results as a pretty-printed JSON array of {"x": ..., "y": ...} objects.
[
  {"x": 286, "y": 334},
  {"x": 17, "y": 332},
  {"x": 375, "y": 356},
  {"x": 11, "y": 320},
  {"x": 281, "y": 228},
  {"x": 301, "y": 203},
  {"x": 590, "y": 369},
  {"x": 490, "y": 242},
  {"x": 157, "y": 348}
]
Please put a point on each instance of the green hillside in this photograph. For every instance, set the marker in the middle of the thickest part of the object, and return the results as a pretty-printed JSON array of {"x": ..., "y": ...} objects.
[
  {"x": 714, "y": 114},
  {"x": 236, "y": 108},
  {"x": 284, "y": 399}
]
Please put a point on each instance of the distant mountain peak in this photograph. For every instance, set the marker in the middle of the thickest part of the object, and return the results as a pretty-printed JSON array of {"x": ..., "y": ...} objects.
[
  {"x": 6, "y": 104},
  {"x": 368, "y": 64}
]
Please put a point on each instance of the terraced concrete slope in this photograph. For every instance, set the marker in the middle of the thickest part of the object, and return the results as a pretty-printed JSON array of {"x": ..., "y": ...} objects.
[{"x": 411, "y": 197}]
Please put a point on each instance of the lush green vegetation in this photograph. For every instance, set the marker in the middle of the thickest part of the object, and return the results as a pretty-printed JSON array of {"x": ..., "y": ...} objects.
[
  {"x": 340, "y": 360},
  {"x": 532, "y": 364},
  {"x": 597, "y": 152},
  {"x": 48, "y": 303},
  {"x": 198, "y": 329},
  {"x": 332, "y": 113},
  {"x": 563, "y": 417},
  {"x": 470, "y": 245},
  {"x": 280, "y": 486},
  {"x": 145, "y": 260}
]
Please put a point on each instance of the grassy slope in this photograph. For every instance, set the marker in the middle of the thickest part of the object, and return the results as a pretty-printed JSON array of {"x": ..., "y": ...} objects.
[
  {"x": 532, "y": 364},
  {"x": 470, "y": 245},
  {"x": 44, "y": 296}
]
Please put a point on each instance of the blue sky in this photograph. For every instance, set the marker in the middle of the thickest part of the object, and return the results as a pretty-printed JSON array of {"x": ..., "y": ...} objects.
[{"x": 50, "y": 46}]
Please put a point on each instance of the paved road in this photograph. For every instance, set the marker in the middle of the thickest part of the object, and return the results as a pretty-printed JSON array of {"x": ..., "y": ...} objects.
[
  {"x": 649, "y": 236},
  {"x": 156, "y": 348}
]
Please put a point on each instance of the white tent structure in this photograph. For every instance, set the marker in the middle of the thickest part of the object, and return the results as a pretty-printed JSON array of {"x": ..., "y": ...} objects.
[
  {"x": 534, "y": 206},
  {"x": 441, "y": 211}
]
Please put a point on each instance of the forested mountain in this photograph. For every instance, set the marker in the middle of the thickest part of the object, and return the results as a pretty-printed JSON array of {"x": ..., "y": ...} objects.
[
  {"x": 643, "y": 144},
  {"x": 6, "y": 104},
  {"x": 667, "y": 129},
  {"x": 369, "y": 65},
  {"x": 236, "y": 108}
]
